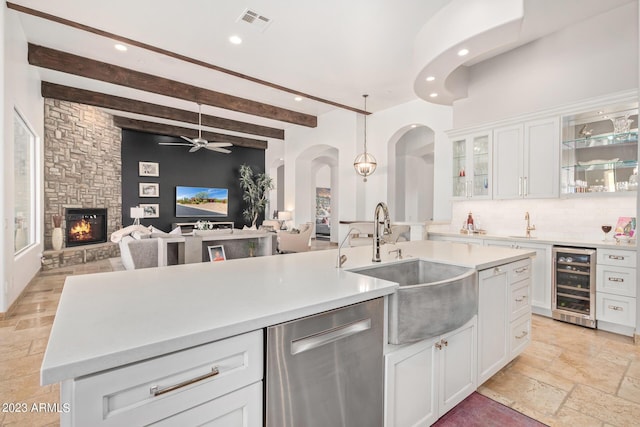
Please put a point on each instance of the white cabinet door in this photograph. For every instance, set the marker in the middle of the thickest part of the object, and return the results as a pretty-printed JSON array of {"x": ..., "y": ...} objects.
[
  {"x": 493, "y": 321},
  {"x": 526, "y": 160},
  {"x": 508, "y": 151},
  {"x": 458, "y": 366},
  {"x": 541, "y": 158},
  {"x": 471, "y": 166},
  {"x": 410, "y": 392},
  {"x": 426, "y": 379}
]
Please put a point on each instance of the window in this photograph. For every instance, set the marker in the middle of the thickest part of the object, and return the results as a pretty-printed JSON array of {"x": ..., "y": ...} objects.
[{"x": 24, "y": 190}]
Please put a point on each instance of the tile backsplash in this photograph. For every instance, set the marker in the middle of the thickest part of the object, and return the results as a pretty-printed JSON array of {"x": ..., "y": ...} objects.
[{"x": 576, "y": 218}]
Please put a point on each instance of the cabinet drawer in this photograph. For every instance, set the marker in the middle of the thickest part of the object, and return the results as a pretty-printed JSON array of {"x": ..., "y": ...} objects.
[
  {"x": 519, "y": 301},
  {"x": 616, "y": 309},
  {"x": 520, "y": 335},
  {"x": 520, "y": 270},
  {"x": 239, "y": 408},
  {"x": 149, "y": 391},
  {"x": 616, "y": 257},
  {"x": 616, "y": 280}
]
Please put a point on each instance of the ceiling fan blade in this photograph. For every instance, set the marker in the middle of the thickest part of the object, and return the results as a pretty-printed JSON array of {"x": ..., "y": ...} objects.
[
  {"x": 194, "y": 149},
  {"x": 220, "y": 144},
  {"x": 187, "y": 139},
  {"x": 173, "y": 143},
  {"x": 219, "y": 150}
]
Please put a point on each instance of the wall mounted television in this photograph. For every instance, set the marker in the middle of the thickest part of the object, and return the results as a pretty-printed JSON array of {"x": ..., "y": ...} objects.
[{"x": 204, "y": 202}]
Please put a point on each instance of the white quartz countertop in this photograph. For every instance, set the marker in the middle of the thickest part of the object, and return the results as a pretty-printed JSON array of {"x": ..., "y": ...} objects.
[
  {"x": 543, "y": 240},
  {"x": 112, "y": 319}
]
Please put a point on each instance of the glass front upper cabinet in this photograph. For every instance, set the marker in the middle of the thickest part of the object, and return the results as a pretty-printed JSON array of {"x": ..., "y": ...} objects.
[
  {"x": 471, "y": 166},
  {"x": 600, "y": 151}
]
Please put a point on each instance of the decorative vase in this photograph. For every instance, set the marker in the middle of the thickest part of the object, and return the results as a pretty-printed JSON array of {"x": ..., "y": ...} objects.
[
  {"x": 20, "y": 240},
  {"x": 56, "y": 239}
]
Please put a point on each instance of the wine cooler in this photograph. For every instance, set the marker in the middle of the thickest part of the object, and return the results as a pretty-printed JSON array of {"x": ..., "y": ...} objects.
[{"x": 574, "y": 286}]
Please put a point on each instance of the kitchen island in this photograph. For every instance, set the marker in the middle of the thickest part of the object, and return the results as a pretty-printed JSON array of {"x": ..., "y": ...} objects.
[{"x": 111, "y": 320}]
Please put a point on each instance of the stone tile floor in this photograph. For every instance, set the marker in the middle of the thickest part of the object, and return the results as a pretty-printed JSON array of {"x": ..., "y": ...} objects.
[{"x": 569, "y": 375}]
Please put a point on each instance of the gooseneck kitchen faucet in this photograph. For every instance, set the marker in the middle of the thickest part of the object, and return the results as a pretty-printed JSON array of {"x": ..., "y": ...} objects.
[{"x": 377, "y": 237}]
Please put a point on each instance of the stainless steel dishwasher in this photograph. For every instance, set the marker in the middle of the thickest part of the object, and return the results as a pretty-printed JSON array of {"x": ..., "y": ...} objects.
[{"x": 327, "y": 370}]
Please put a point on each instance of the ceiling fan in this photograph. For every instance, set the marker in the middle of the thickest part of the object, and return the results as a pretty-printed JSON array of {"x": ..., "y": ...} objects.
[{"x": 199, "y": 142}]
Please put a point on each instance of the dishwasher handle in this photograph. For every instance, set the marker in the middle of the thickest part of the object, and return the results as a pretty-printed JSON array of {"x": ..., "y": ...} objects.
[{"x": 328, "y": 336}]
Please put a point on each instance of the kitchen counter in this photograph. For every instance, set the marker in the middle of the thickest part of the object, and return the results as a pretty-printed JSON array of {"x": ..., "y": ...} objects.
[
  {"x": 112, "y": 319},
  {"x": 546, "y": 240}
]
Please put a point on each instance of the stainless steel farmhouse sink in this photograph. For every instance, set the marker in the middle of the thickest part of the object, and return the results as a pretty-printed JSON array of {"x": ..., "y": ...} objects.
[{"x": 432, "y": 299}]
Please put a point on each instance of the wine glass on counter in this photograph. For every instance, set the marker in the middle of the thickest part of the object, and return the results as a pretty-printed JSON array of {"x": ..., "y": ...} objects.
[{"x": 605, "y": 229}]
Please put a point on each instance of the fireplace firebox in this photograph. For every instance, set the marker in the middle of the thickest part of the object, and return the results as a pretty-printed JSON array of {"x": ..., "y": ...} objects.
[{"x": 85, "y": 226}]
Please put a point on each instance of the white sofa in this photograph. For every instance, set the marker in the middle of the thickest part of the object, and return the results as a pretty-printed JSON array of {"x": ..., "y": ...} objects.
[{"x": 290, "y": 241}]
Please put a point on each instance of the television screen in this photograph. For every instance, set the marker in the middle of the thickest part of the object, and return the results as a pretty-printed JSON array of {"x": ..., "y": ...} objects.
[{"x": 201, "y": 202}]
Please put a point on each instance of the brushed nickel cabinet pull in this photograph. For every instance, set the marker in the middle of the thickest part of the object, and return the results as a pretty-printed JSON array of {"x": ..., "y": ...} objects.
[
  {"x": 522, "y": 270},
  {"x": 445, "y": 342},
  {"x": 615, "y": 279},
  {"x": 438, "y": 346},
  {"x": 497, "y": 270},
  {"x": 524, "y": 334},
  {"x": 520, "y": 186},
  {"x": 616, "y": 308},
  {"x": 616, "y": 257},
  {"x": 522, "y": 298},
  {"x": 157, "y": 391}
]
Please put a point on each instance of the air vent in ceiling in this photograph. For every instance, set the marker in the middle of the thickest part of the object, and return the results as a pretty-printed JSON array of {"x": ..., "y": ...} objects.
[{"x": 257, "y": 21}]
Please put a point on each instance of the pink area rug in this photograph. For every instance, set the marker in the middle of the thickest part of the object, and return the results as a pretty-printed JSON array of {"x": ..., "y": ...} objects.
[{"x": 480, "y": 411}]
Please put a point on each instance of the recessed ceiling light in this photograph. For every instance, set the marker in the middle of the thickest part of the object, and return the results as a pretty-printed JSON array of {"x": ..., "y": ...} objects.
[
  {"x": 235, "y": 39},
  {"x": 120, "y": 47},
  {"x": 413, "y": 126},
  {"x": 433, "y": 95},
  {"x": 297, "y": 98},
  {"x": 463, "y": 52},
  {"x": 430, "y": 78}
]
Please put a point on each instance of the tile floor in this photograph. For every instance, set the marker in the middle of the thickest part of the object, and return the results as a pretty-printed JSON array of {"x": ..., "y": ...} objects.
[{"x": 569, "y": 375}]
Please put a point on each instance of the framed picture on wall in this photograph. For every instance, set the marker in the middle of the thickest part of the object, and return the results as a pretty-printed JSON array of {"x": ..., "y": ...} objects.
[
  {"x": 149, "y": 189},
  {"x": 148, "y": 169},
  {"x": 216, "y": 253},
  {"x": 151, "y": 210}
]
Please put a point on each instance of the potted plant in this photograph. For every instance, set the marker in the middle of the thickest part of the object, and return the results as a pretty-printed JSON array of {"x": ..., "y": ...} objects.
[{"x": 256, "y": 189}]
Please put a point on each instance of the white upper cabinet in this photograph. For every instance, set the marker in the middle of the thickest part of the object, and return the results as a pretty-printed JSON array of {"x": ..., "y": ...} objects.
[
  {"x": 472, "y": 166},
  {"x": 526, "y": 159}
]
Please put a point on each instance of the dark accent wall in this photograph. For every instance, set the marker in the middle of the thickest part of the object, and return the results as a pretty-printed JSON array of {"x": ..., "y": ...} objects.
[{"x": 203, "y": 168}]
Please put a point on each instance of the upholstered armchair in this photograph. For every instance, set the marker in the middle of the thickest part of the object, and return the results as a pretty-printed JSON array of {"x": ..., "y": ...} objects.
[
  {"x": 399, "y": 233},
  {"x": 291, "y": 241}
]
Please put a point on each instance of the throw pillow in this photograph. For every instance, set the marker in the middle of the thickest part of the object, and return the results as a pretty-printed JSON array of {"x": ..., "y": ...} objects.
[
  {"x": 176, "y": 231},
  {"x": 294, "y": 231}
]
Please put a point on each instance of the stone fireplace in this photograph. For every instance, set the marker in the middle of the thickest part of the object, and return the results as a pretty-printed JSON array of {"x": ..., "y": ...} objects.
[
  {"x": 82, "y": 169},
  {"x": 85, "y": 226}
]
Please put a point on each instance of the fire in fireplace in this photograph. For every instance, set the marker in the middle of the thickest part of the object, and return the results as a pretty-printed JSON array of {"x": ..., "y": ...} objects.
[{"x": 86, "y": 226}]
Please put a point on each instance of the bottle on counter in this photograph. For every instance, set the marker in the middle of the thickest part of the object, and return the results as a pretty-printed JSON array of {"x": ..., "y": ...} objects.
[{"x": 470, "y": 226}]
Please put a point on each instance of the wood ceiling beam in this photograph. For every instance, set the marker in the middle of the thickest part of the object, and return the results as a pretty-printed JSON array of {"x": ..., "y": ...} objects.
[
  {"x": 97, "y": 99},
  {"x": 177, "y": 131},
  {"x": 92, "y": 30},
  {"x": 65, "y": 62}
]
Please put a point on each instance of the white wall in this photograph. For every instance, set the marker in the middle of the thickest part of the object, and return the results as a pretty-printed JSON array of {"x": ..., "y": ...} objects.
[
  {"x": 21, "y": 91},
  {"x": 343, "y": 131},
  {"x": 591, "y": 58}
]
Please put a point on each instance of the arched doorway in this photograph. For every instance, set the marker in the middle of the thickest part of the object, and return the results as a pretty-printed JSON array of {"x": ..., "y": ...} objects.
[
  {"x": 410, "y": 178},
  {"x": 317, "y": 173}
]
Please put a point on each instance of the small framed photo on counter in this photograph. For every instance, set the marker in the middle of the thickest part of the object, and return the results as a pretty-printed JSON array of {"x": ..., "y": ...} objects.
[{"x": 216, "y": 253}]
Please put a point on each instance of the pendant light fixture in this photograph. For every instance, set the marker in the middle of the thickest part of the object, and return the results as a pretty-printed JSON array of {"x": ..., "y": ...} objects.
[{"x": 365, "y": 164}]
